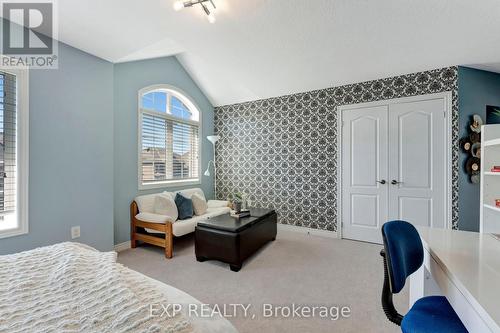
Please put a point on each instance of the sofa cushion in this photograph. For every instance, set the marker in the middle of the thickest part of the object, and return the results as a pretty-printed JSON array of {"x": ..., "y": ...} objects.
[
  {"x": 146, "y": 203},
  {"x": 181, "y": 228},
  {"x": 171, "y": 194},
  {"x": 184, "y": 227},
  {"x": 154, "y": 218},
  {"x": 184, "y": 206},
  {"x": 199, "y": 204},
  {"x": 188, "y": 193},
  {"x": 211, "y": 212},
  {"x": 217, "y": 203},
  {"x": 165, "y": 205}
]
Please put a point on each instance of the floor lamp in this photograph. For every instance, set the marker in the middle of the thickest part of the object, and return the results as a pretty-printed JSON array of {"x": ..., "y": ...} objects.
[{"x": 213, "y": 139}]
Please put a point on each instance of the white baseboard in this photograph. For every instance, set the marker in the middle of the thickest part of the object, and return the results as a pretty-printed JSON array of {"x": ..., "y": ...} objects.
[
  {"x": 308, "y": 231},
  {"x": 122, "y": 246},
  {"x": 303, "y": 230}
]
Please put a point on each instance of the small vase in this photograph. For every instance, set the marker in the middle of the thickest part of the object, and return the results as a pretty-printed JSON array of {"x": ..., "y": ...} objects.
[{"x": 237, "y": 207}]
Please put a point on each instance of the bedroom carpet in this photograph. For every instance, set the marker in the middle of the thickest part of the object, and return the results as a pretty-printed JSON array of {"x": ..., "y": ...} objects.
[{"x": 296, "y": 268}]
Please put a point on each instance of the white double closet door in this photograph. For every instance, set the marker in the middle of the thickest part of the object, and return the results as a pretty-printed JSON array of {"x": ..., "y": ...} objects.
[{"x": 393, "y": 165}]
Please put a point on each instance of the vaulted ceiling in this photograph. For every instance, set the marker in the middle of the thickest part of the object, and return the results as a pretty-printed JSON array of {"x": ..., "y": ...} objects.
[{"x": 264, "y": 48}]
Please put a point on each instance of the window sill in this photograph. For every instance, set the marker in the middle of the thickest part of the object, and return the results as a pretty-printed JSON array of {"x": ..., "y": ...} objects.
[
  {"x": 6, "y": 233},
  {"x": 10, "y": 227},
  {"x": 167, "y": 184}
]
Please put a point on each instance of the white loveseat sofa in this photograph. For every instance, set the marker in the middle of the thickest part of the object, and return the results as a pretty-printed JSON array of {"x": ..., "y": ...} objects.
[{"x": 145, "y": 222}]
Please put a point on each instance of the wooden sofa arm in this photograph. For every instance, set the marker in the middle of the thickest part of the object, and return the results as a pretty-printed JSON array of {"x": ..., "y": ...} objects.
[{"x": 166, "y": 228}]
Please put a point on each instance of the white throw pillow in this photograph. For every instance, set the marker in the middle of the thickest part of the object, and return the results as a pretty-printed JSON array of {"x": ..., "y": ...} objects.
[
  {"x": 189, "y": 192},
  {"x": 165, "y": 205},
  {"x": 199, "y": 204}
]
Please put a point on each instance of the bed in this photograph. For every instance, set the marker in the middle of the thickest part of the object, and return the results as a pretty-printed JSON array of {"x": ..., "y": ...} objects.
[{"x": 70, "y": 287}]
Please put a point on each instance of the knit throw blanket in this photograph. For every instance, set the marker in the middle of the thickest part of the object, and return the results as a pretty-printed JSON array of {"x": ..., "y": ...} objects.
[{"x": 71, "y": 287}]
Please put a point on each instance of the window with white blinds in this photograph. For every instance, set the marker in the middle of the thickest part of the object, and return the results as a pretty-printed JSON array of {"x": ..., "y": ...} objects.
[
  {"x": 7, "y": 143},
  {"x": 169, "y": 133},
  {"x": 13, "y": 152}
]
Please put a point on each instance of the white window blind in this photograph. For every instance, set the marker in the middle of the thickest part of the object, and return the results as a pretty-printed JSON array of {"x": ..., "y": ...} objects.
[
  {"x": 169, "y": 140},
  {"x": 14, "y": 151},
  {"x": 8, "y": 121}
]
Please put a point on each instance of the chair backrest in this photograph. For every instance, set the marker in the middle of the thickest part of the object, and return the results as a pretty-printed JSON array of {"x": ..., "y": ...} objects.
[{"x": 404, "y": 252}]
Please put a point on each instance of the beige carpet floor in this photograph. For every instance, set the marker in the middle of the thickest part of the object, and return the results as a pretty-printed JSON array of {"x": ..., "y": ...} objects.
[{"x": 296, "y": 268}]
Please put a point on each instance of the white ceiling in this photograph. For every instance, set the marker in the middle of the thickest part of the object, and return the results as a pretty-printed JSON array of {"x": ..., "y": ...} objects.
[{"x": 264, "y": 48}]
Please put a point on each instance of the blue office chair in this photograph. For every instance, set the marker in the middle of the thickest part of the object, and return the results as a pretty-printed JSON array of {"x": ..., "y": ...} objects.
[{"x": 403, "y": 254}]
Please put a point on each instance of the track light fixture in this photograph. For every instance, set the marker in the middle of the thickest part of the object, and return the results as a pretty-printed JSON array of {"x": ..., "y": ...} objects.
[{"x": 178, "y": 5}]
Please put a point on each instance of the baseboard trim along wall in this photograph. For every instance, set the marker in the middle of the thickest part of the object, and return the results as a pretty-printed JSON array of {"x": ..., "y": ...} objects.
[
  {"x": 122, "y": 246},
  {"x": 308, "y": 231},
  {"x": 286, "y": 227}
]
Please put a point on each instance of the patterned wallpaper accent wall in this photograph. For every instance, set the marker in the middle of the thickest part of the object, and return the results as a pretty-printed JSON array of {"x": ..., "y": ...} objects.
[{"x": 282, "y": 152}]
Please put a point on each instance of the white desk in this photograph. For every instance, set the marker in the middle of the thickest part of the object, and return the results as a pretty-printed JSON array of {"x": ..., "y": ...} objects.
[{"x": 464, "y": 267}]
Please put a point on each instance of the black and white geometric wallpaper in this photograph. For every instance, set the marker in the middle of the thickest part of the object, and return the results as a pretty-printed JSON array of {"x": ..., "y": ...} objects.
[{"x": 282, "y": 152}]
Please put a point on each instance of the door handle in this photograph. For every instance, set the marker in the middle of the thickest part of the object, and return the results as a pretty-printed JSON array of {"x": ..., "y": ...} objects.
[
  {"x": 395, "y": 182},
  {"x": 381, "y": 181}
]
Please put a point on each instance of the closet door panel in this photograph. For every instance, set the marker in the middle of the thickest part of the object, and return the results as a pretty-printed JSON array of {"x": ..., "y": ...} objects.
[
  {"x": 416, "y": 162},
  {"x": 364, "y": 167}
]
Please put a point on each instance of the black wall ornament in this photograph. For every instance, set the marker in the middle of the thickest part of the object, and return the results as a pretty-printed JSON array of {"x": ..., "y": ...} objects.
[{"x": 471, "y": 145}]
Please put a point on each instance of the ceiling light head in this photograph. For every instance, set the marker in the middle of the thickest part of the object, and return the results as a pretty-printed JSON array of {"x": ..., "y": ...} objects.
[
  {"x": 178, "y": 5},
  {"x": 211, "y": 18}
]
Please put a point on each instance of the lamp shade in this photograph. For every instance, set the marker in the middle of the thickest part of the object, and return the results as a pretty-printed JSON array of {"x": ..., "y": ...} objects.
[
  {"x": 213, "y": 138},
  {"x": 207, "y": 173}
]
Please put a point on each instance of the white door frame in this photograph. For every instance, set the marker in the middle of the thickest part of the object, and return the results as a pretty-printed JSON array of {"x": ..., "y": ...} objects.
[{"x": 447, "y": 96}]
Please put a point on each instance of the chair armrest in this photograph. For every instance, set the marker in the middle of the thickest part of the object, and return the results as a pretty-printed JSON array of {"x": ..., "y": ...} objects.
[
  {"x": 217, "y": 203},
  {"x": 154, "y": 218}
]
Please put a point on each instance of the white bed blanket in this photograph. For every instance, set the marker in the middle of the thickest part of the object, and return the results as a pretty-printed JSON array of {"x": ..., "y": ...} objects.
[{"x": 71, "y": 287}]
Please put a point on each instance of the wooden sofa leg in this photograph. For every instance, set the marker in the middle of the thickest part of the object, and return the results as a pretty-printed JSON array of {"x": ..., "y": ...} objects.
[
  {"x": 133, "y": 241},
  {"x": 133, "y": 212},
  {"x": 169, "y": 245}
]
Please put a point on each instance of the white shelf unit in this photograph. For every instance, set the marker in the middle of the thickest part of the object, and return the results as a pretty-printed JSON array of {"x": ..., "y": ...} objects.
[
  {"x": 492, "y": 142},
  {"x": 490, "y": 181},
  {"x": 492, "y": 207}
]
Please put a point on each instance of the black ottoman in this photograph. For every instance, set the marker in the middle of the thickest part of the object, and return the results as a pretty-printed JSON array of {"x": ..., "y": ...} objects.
[{"x": 232, "y": 240}]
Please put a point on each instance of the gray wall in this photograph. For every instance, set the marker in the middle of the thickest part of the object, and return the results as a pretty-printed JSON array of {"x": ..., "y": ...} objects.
[
  {"x": 282, "y": 152},
  {"x": 129, "y": 78},
  {"x": 476, "y": 90},
  {"x": 71, "y": 153}
]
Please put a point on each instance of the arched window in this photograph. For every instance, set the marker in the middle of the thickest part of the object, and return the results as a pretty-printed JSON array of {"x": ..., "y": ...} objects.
[{"x": 169, "y": 138}]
